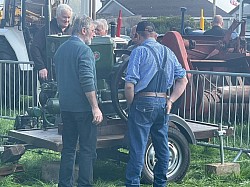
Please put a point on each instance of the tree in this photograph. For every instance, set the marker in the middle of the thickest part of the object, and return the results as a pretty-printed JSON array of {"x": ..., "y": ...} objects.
[{"x": 165, "y": 24}]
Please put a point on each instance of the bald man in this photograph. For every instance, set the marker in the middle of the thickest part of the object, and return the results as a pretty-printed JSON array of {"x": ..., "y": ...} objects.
[{"x": 217, "y": 27}]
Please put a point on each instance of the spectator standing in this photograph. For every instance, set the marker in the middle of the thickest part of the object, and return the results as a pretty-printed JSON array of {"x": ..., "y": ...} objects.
[
  {"x": 77, "y": 87},
  {"x": 133, "y": 36},
  {"x": 151, "y": 71},
  {"x": 101, "y": 27},
  {"x": 131, "y": 44},
  {"x": 60, "y": 24}
]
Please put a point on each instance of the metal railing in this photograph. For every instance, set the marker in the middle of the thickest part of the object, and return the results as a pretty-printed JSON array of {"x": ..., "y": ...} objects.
[
  {"x": 220, "y": 98},
  {"x": 18, "y": 84}
]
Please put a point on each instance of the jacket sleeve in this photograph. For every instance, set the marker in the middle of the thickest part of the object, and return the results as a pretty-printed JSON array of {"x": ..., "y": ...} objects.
[
  {"x": 87, "y": 71},
  {"x": 38, "y": 49}
]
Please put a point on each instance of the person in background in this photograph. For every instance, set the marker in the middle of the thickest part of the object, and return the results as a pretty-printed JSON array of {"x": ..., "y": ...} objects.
[
  {"x": 77, "y": 88},
  {"x": 60, "y": 24},
  {"x": 101, "y": 27},
  {"x": 217, "y": 27},
  {"x": 133, "y": 37},
  {"x": 152, "y": 70},
  {"x": 131, "y": 44}
]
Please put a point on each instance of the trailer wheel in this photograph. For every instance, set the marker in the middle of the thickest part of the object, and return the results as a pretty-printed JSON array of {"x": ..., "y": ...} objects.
[
  {"x": 9, "y": 74},
  {"x": 179, "y": 159},
  {"x": 117, "y": 90}
]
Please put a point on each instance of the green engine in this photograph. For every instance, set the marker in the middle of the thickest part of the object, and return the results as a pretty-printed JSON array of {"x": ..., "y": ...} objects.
[
  {"x": 108, "y": 96},
  {"x": 102, "y": 48}
]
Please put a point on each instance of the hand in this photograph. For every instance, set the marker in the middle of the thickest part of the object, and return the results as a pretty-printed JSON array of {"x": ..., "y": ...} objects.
[
  {"x": 97, "y": 116},
  {"x": 169, "y": 104},
  {"x": 43, "y": 74}
]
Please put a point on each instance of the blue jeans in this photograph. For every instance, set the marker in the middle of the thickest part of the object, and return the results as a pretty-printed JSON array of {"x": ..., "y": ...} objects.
[
  {"x": 77, "y": 126},
  {"x": 147, "y": 116}
]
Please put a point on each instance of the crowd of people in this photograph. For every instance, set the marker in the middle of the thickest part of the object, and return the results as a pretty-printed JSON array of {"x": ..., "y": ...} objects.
[{"x": 152, "y": 69}]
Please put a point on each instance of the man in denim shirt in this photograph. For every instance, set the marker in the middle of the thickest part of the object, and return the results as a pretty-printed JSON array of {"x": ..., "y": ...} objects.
[{"x": 152, "y": 70}]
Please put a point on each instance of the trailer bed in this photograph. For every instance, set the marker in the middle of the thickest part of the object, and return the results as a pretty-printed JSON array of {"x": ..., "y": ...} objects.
[
  {"x": 50, "y": 139},
  {"x": 110, "y": 137}
]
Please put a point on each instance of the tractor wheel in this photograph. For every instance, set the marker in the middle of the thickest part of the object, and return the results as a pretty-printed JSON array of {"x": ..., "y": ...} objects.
[
  {"x": 9, "y": 74},
  {"x": 179, "y": 158},
  {"x": 117, "y": 90}
]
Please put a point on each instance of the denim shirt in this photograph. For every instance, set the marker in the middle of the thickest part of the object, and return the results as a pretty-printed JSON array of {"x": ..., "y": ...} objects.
[{"x": 142, "y": 65}]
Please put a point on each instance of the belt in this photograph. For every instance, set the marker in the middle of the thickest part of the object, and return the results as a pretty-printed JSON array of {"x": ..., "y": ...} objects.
[{"x": 152, "y": 94}]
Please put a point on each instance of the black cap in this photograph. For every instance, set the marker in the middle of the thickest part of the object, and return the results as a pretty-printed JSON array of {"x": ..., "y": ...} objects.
[{"x": 145, "y": 26}]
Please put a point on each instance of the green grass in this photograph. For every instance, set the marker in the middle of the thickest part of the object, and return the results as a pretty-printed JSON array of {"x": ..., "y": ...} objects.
[
  {"x": 110, "y": 173},
  {"x": 5, "y": 126},
  {"x": 32, "y": 161}
]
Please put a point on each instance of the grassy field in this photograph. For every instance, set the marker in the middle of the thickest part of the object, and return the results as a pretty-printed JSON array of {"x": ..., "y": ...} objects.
[{"x": 110, "y": 173}]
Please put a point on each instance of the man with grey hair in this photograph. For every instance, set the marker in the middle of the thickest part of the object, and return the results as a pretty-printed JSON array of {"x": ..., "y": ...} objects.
[
  {"x": 76, "y": 79},
  {"x": 133, "y": 37},
  {"x": 101, "y": 27},
  {"x": 60, "y": 24},
  {"x": 217, "y": 27}
]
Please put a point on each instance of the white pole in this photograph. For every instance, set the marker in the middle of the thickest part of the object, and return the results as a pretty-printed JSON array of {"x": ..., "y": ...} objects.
[
  {"x": 85, "y": 7},
  {"x": 94, "y": 10},
  {"x": 214, "y": 7}
]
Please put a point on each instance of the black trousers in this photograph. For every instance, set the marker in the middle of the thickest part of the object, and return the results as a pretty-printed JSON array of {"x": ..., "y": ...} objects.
[{"x": 77, "y": 126}]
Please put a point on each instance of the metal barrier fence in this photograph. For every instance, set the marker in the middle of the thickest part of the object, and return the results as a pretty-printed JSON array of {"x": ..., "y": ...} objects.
[
  {"x": 18, "y": 85},
  {"x": 221, "y": 98}
]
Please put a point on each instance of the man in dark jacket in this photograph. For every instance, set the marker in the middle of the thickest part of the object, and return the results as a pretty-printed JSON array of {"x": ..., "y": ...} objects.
[
  {"x": 60, "y": 24},
  {"x": 77, "y": 87},
  {"x": 217, "y": 27}
]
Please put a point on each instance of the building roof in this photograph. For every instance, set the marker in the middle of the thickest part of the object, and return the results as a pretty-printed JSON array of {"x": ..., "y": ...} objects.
[
  {"x": 236, "y": 9},
  {"x": 156, "y": 8}
]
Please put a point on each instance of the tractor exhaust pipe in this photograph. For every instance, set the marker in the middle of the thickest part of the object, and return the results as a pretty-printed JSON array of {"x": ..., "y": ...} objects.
[
  {"x": 112, "y": 28},
  {"x": 183, "y": 10}
]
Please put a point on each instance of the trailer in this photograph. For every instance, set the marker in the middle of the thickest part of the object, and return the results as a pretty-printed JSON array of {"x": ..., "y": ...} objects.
[
  {"x": 112, "y": 132},
  {"x": 40, "y": 126},
  {"x": 112, "y": 136}
]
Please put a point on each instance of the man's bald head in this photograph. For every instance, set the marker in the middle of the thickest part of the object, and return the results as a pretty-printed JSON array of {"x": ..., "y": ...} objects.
[{"x": 218, "y": 21}]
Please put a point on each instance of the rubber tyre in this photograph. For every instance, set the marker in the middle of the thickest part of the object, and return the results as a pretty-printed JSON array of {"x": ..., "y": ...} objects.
[
  {"x": 8, "y": 72},
  {"x": 178, "y": 162},
  {"x": 117, "y": 90}
]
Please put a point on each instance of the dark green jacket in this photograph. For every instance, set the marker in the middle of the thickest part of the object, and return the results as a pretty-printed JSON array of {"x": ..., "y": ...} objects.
[{"x": 75, "y": 74}]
